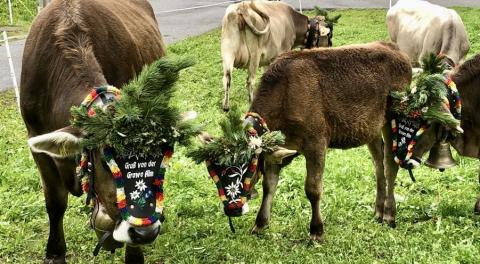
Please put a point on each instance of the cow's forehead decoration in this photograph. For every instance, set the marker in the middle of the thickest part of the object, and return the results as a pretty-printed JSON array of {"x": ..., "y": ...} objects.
[
  {"x": 138, "y": 180},
  {"x": 233, "y": 158},
  {"x": 432, "y": 98}
]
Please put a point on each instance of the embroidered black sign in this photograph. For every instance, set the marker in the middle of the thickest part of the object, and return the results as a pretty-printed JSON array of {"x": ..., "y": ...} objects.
[
  {"x": 139, "y": 179},
  {"x": 405, "y": 133}
]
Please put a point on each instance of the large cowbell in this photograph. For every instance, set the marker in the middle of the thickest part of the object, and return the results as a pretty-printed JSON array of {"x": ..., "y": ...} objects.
[{"x": 440, "y": 156}]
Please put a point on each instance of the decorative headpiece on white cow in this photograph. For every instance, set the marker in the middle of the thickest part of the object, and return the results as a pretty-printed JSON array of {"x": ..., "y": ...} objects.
[
  {"x": 232, "y": 158},
  {"x": 135, "y": 129},
  {"x": 431, "y": 98},
  {"x": 316, "y": 28}
]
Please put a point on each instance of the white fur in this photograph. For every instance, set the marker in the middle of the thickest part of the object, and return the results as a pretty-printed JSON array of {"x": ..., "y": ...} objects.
[
  {"x": 58, "y": 139},
  {"x": 413, "y": 162},
  {"x": 121, "y": 235},
  {"x": 324, "y": 31},
  {"x": 245, "y": 208}
]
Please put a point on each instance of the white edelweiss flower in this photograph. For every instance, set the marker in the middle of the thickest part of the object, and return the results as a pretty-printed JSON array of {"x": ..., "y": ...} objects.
[
  {"x": 135, "y": 195},
  {"x": 425, "y": 109},
  {"x": 255, "y": 142},
  {"x": 233, "y": 189},
  {"x": 404, "y": 99},
  {"x": 140, "y": 185}
]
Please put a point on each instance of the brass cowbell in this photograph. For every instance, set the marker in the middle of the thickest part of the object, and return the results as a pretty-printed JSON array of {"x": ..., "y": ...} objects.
[{"x": 440, "y": 156}]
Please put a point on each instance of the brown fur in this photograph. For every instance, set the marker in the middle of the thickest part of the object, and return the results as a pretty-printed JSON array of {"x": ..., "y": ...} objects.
[
  {"x": 73, "y": 46},
  {"x": 335, "y": 98},
  {"x": 467, "y": 79}
]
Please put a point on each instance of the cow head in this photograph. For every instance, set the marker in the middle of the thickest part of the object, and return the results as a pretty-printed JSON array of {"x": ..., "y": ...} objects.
[
  {"x": 427, "y": 115},
  {"x": 320, "y": 29},
  {"x": 235, "y": 160},
  {"x": 123, "y": 141}
]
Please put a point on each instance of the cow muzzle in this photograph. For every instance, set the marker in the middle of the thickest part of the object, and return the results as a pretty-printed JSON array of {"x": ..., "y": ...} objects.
[{"x": 136, "y": 235}]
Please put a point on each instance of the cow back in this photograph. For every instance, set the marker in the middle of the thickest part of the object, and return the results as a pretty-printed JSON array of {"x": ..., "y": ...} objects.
[
  {"x": 338, "y": 95},
  {"x": 74, "y": 45}
]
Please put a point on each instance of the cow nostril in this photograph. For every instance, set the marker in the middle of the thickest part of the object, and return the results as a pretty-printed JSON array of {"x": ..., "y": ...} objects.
[{"x": 143, "y": 235}]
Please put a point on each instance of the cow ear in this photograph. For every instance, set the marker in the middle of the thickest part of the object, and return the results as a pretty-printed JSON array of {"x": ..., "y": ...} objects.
[
  {"x": 278, "y": 155},
  {"x": 62, "y": 143}
]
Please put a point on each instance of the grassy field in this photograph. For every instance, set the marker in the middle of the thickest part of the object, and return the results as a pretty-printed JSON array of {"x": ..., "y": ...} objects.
[
  {"x": 435, "y": 222},
  {"x": 23, "y": 12}
]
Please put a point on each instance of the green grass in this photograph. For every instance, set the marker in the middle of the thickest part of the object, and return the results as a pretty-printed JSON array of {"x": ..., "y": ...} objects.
[
  {"x": 23, "y": 11},
  {"x": 435, "y": 222}
]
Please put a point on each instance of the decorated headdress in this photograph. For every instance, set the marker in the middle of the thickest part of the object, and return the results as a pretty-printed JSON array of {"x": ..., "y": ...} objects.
[
  {"x": 431, "y": 98},
  {"x": 232, "y": 158}
]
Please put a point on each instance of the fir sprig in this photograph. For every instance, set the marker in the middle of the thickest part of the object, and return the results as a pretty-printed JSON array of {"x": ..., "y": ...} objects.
[
  {"x": 235, "y": 146},
  {"x": 330, "y": 20},
  {"x": 425, "y": 97},
  {"x": 142, "y": 120}
]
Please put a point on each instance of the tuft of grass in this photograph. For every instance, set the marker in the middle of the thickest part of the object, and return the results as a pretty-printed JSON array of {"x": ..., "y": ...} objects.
[{"x": 435, "y": 221}]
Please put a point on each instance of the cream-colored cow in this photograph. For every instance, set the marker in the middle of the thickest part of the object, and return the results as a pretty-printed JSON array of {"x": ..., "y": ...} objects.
[
  {"x": 256, "y": 32},
  {"x": 419, "y": 27}
]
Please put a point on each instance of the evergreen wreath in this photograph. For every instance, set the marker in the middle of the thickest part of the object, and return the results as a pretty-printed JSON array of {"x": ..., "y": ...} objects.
[
  {"x": 142, "y": 120},
  {"x": 330, "y": 20},
  {"x": 427, "y": 96},
  {"x": 236, "y": 146}
]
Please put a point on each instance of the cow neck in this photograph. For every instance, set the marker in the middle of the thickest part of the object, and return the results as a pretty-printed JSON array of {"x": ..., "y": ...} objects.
[{"x": 86, "y": 170}]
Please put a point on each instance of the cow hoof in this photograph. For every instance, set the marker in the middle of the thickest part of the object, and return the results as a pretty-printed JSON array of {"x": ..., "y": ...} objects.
[
  {"x": 476, "y": 210},
  {"x": 226, "y": 109},
  {"x": 379, "y": 219},
  {"x": 390, "y": 223},
  {"x": 54, "y": 260},
  {"x": 317, "y": 238},
  {"x": 256, "y": 230}
]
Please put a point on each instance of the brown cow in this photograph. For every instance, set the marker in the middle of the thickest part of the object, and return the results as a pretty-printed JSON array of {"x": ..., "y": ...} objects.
[
  {"x": 254, "y": 33},
  {"x": 467, "y": 79},
  {"x": 72, "y": 47},
  {"x": 333, "y": 98}
]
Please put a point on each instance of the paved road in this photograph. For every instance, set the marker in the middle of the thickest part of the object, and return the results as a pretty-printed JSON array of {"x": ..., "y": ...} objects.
[{"x": 181, "y": 19}]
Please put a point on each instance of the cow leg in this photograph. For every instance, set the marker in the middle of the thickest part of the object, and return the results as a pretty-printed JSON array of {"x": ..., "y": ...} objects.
[
  {"x": 228, "y": 60},
  {"x": 391, "y": 170},
  {"x": 134, "y": 255},
  {"x": 376, "y": 150},
  {"x": 315, "y": 159},
  {"x": 56, "y": 197},
  {"x": 252, "y": 71},
  {"x": 269, "y": 184}
]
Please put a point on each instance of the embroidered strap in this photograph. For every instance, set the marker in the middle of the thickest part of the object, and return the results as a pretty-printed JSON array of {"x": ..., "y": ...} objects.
[{"x": 454, "y": 100}]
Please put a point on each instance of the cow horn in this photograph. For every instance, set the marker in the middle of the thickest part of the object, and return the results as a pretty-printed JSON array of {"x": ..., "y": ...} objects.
[{"x": 278, "y": 155}]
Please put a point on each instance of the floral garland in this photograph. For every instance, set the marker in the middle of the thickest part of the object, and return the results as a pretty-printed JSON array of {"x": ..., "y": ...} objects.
[
  {"x": 454, "y": 98},
  {"x": 85, "y": 173}
]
